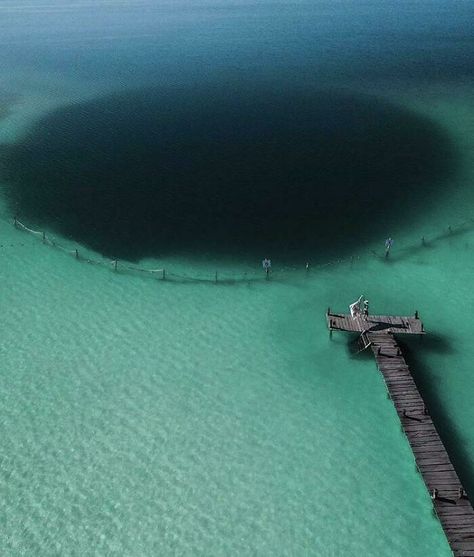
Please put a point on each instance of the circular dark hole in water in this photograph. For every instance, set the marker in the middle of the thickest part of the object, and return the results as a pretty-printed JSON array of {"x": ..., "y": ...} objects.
[{"x": 153, "y": 173}]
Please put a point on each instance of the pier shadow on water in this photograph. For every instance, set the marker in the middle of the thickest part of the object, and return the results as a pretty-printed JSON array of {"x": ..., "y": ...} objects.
[
  {"x": 433, "y": 396},
  {"x": 153, "y": 172}
]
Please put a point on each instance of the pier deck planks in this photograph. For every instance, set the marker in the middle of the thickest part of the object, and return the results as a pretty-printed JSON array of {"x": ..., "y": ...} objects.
[{"x": 455, "y": 512}]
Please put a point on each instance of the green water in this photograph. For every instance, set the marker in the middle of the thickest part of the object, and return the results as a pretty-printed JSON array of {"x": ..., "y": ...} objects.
[
  {"x": 142, "y": 417},
  {"x": 145, "y": 417}
]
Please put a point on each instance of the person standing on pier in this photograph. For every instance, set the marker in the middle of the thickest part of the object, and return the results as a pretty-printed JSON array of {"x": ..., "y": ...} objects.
[{"x": 356, "y": 307}]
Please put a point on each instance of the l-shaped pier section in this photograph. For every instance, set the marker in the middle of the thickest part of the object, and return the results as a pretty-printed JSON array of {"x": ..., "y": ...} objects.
[{"x": 450, "y": 500}]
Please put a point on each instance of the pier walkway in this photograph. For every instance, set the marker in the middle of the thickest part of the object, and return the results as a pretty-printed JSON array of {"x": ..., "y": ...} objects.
[{"x": 450, "y": 500}]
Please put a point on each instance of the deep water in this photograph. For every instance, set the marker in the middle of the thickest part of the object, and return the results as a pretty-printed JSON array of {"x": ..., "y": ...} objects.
[
  {"x": 146, "y": 417},
  {"x": 153, "y": 173}
]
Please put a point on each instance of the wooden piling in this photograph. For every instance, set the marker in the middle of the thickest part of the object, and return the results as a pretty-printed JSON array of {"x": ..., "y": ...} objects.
[{"x": 449, "y": 498}]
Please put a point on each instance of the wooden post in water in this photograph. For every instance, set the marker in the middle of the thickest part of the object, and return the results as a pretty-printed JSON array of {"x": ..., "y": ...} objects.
[
  {"x": 76, "y": 253},
  {"x": 115, "y": 265},
  {"x": 450, "y": 502},
  {"x": 44, "y": 237}
]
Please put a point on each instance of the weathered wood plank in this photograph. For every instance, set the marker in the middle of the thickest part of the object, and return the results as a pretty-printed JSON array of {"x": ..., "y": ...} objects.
[
  {"x": 373, "y": 323},
  {"x": 454, "y": 511}
]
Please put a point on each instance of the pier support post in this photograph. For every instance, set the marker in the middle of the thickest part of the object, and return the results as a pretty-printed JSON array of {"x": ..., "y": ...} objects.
[
  {"x": 76, "y": 254},
  {"x": 450, "y": 503},
  {"x": 44, "y": 237}
]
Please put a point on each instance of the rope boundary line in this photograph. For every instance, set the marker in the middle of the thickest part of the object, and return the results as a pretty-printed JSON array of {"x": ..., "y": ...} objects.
[{"x": 220, "y": 277}]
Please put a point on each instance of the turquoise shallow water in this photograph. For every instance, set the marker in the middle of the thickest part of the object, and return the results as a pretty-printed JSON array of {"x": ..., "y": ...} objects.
[{"x": 142, "y": 417}]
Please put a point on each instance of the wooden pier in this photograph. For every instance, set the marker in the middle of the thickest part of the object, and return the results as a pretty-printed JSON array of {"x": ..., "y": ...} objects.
[{"x": 449, "y": 498}]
